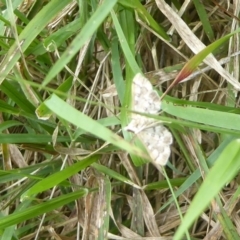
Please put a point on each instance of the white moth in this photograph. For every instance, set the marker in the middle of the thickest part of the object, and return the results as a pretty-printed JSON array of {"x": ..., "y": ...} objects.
[{"x": 155, "y": 137}]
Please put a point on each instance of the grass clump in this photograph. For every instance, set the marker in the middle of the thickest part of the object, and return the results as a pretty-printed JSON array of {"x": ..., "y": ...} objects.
[{"x": 69, "y": 169}]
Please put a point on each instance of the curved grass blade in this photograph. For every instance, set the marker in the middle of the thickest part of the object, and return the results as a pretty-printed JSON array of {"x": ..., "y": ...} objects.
[
  {"x": 208, "y": 117},
  {"x": 193, "y": 63},
  {"x": 58, "y": 177},
  {"x": 25, "y": 39},
  {"x": 41, "y": 208},
  {"x": 224, "y": 170},
  {"x": 87, "y": 31},
  {"x": 145, "y": 16},
  {"x": 70, "y": 114}
]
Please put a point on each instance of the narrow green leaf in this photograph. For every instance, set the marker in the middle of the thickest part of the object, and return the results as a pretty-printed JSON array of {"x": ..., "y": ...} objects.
[
  {"x": 14, "y": 93},
  {"x": 42, "y": 111},
  {"x": 224, "y": 170},
  {"x": 58, "y": 177},
  {"x": 193, "y": 63},
  {"x": 70, "y": 114},
  {"x": 145, "y": 16},
  {"x": 87, "y": 31},
  {"x": 35, "y": 26},
  {"x": 7, "y": 124},
  {"x": 114, "y": 174},
  {"x": 41, "y": 208},
  {"x": 202, "y": 13},
  {"x": 30, "y": 138},
  {"x": 124, "y": 44},
  {"x": 209, "y": 117}
]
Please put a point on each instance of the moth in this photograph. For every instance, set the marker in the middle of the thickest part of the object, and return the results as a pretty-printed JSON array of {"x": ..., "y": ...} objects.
[{"x": 155, "y": 137}]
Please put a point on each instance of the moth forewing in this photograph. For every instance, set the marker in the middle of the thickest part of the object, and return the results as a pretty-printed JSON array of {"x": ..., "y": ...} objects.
[{"x": 156, "y": 138}]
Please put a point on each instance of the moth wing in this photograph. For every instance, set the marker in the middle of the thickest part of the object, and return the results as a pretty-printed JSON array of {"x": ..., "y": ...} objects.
[
  {"x": 157, "y": 141},
  {"x": 144, "y": 99}
]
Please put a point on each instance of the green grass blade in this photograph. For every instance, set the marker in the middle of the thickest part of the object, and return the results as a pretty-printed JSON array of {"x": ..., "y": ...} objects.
[
  {"x": 208, "y": 117},
  {"x": 70, "y": 114},
  {"x": 41, "y": 208},
  {"x": 30, "y": 138},
  {"x": 193, "y": 63},
  {"x": 204, "y": 19},
  {"x": 114, "y": 174},
  {"x": 58, "y": 177},
  {"x": 224, "y": 170},
  {"x": 34, "y": 27},
  {"x": 124, "y": 44},
  {"x": 145, "y": 16},
  {"x": 87, "y": 31}
]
